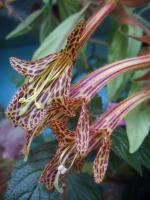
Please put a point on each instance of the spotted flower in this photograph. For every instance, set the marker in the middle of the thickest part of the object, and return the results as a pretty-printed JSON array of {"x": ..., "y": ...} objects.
[
  {"x": 67, "y": 156},
  {"x": 80, "y": 95},
  {"x": 48, "y": 78}
]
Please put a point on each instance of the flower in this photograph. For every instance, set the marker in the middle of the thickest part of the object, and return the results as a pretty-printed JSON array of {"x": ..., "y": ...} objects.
[
  {"x": 109, "y": 121},
  {"x": 82, "y": 92},
  {"x": 99, "y": 139},
  {"x": 95, "y": 20},
  {"x": 80, "y": 95},
  {"x": 48, "y": 78},
  {"x": 112, "y": 105}
]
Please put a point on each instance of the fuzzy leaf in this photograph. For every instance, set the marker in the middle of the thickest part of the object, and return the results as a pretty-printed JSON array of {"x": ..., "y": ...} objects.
[
  {"x": 136, "y": 160},
  {"x": 120, "y": 147},
  {"x": 23, "y": 184},
  {"x": 27, "y": 25},
  {"x": 82, "y": 186}
]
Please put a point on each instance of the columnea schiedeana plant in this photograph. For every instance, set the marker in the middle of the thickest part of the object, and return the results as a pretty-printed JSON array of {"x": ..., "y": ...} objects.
[{"x": 48, "y": 99}]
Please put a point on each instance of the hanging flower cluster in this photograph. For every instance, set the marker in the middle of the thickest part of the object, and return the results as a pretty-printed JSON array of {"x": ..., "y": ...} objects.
[
  {"x": 67, "y": 154},
  {"x": 47, "y": 99}
]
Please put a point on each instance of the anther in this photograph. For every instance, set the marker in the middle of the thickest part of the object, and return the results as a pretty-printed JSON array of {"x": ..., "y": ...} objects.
[
  {"x": 49, "y": 102},
  {"x": 39, "y": 105},
  {"x": 22, "y": 100}
]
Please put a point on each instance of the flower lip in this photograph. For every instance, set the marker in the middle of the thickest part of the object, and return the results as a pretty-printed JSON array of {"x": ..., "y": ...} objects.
[{"x": 48, "y": 78}]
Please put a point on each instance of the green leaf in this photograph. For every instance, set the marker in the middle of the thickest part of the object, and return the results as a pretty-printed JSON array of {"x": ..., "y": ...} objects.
[
  {"x": 27, "y": 25},
  {"x": 118, "y": 45},
  {"x": 46, "y": 24},
  {"x": 134, "y": 46},
  {"x": 67, "y": 8},
  {"x": 56, "y": 40},
  {"x": 47, "y": 1},
  {"x": 145, "y": 152},
  {"x": 23, "y": 184},
  {"x": 138, "y": 120},
  {"x": 82, "y": 186},
  {"x": 138, "y": 124},
  {"x": 120, "y": 147},
  {"x": 121, "y": 47}
]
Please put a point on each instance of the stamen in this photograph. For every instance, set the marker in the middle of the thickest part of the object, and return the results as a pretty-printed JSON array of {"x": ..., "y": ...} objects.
[
  {"x": 39, "y": 105},
  {"x": 56, "y": 183},
  {"x": 25, "y": 158},
  {"x": 26, "y": 148},
  {"x": 49, "y": 101},
  {"x": 23, "y": 109},
  {"x": 50, "y": 74},
  {"x": 22, "y": 100},
  {"x": 73, "y": 161},
  {"x": 62, "y": 169},
  {"x": 62, "y": 155}
]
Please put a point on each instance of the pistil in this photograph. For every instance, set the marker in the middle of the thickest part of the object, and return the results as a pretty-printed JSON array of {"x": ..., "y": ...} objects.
[{"x": 62, "y": 169}]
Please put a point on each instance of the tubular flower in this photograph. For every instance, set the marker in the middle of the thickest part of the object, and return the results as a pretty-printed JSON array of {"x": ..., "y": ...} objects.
[
  {"x": 49, "y": 78},
  {"x": 99, "y": 139},
  {"x": 82, "y": 92},
  {"x": 65, "y": 154},
  {"x": 80, "y": 95},
  {"x": 95, "y": 20},
  {"x": 109, "y": 121}
]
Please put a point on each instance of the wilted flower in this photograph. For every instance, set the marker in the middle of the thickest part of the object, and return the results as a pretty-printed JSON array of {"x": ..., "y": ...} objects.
[{"x": 67, "y": 155}]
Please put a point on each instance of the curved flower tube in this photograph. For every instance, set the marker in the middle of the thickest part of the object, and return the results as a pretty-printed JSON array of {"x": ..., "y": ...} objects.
[
  {"x": 80, "y": 95},
  {"x": 82, "y": 92},
  {"x": 49, "y": 78},
  {"x": 99, "y": 139},
  {"x": 110, "y": 121}
]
